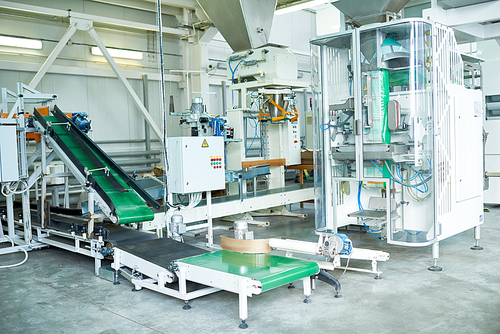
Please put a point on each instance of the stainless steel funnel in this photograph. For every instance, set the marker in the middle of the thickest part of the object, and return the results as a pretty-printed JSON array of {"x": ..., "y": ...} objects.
[
  {"x": 245, "y": 24},
  {"x": 369, "y": 11}
]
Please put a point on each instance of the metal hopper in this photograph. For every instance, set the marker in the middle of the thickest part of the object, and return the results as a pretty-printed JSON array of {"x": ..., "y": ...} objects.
[
  {"x": 364, "y": 12},
  {"x": 245, "y": 24}
]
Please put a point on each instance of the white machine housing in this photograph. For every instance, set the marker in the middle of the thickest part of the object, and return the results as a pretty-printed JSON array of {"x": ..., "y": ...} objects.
[
  {"x": 390, "y": 104},
  {"x": 196, "y": 164},
  {"x": 270, "y": 62},
  {"x": 9, "y": 171}
]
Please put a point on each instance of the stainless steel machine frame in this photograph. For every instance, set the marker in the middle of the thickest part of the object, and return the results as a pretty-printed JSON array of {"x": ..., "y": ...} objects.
[{"x": 389, "y": 99}]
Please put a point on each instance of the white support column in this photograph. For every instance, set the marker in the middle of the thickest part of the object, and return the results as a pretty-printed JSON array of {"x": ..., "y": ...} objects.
[
  {"x": 127, "y": 85},
  {"x": 10, "y": 216},
  {"x": 182, "y": 282},
  {"x": 53, "y": 55},
  {"x": 44, "y": 184},
  {"x": 243, "y": 295},
  {"x": 66, "y": 189},
  {"x": 90, "y": 201},
  {"x": 306, "y": 281},
  {"x": 477, "y": 236},
  {"x": 435, "y": 255},
  {"x": 210, "y": 235}
]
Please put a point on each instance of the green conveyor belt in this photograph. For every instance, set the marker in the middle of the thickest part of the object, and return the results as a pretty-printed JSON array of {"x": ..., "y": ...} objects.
[
  {"x": 130, "y": 208},
  {"x": 271, "y": 270}
]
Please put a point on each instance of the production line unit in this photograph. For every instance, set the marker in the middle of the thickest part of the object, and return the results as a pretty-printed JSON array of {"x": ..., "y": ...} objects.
[
  {"x": 161, "y": 264},
  {"x": 399, "y": 147}
]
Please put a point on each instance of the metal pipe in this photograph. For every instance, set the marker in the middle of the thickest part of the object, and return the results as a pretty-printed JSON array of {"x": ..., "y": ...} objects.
[
  {"x": 119, "y": 141},
  {"x": 133, "y": 153},
  {"x": 145, "y": 98},
  {"x": 224, "y": 98},
  {"x": 137, "y": 162}
]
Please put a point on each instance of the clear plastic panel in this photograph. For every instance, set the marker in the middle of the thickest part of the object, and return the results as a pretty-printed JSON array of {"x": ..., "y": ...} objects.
[
  {"x": 319, "y": 189},
  {"x": 333, "y": 119},
  {"x": 397, "y": 125}
]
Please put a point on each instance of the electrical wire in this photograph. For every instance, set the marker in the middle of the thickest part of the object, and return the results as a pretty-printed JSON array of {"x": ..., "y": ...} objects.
[
  {"x": 322, "y": 126},
  {"x": 392, "y": 177},
  {"x": 12, "y": 189},
  {"x": 232, "y": 74},
  {"x": 20, "y": 249},
  {"x": 369, "y": 230},
  {"x": 255, "y": 135},
  {"x": 346, "y": 265}
]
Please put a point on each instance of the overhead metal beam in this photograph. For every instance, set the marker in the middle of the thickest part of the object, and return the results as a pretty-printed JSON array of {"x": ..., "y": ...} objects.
[
  {"x": 84, "y": 71},
  {"x": 482, "y": 12},
  {"x": 467, "y": 21},
  {"x": 53, "y": 55},
  {"x": 127, "y": 85},
  {"x": 95, "y": 18}
]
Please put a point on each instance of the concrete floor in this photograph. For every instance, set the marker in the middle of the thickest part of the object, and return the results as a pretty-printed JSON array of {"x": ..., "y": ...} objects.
[{"x": 56, "y": 292}]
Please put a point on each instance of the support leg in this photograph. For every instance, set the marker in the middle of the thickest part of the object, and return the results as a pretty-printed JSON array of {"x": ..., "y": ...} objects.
[
  {"x": 375, "y": 270},
  {"x": 243, "y": 299},
  {"x": 329, "y": 279},
  {"x": 97, "y": 265},
  {"x": 186, "y": 305},
  {"x": 435, "y": 255},
  {"x": 210, "y": 234},
  {"x": 10, "y": 217},
  {"x": 90, "y": 201},
  {"x": 291, "y": 286},
  {"x": 307, "y": 289},
  {"x": 477, "y": 236}
]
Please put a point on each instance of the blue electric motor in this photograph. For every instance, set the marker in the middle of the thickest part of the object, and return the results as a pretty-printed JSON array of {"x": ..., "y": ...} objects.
[
  {"x": 346, "y": 244},
  {"x": 81, "y": 120},
  {"x": 218, "y": 125}
]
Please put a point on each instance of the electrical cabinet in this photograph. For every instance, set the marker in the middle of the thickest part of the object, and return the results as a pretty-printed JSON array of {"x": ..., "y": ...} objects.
[
  {"x": 8, "y": 151},
  {"x": 195, "y": 164}
]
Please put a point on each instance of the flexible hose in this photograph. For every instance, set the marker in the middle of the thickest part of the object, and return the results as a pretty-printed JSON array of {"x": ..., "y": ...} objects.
[{"x": 16, "y": 264}]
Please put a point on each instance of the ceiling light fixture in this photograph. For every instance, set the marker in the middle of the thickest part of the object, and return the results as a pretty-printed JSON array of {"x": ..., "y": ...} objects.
[
  {"x": 20, "y": 42},
  {"x": 301, "y": 6},
  {"x": 118, "y": 53}
]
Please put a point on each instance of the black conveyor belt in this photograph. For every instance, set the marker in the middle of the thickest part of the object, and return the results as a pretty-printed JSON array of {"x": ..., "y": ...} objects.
[{"x": 162, "y": 251}]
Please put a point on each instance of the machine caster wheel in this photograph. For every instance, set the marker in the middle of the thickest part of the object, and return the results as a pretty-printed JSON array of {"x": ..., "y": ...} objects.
[
  {"x": 243, "y": 324},
  {"x": 378, "y": 277},
  {"x": 186, "y": 306},
  {"x": 477, "y": 247},
  {"x": 116, "y": 283},
  {"x": 338, "y": 295},
  {"x": 435, "y": 268},
  {"x": 307, "y": 300},
  {"x": 291, "y": 286},
  {"x": 134, "y": 289}
]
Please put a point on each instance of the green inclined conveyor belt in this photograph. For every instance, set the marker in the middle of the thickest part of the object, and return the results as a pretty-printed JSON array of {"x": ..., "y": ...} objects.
[
  {"x": 116, "y": 187},
  {"x": 271, "y": 270}
]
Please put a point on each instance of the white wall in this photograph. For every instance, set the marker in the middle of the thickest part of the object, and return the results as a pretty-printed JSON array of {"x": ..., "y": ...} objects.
[
  {"x": 98, "y": 92},
  {"x": 84, "y": 82}
]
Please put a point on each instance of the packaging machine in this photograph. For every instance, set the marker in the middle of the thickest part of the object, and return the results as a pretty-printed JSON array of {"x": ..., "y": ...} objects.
[
  {"x": 398, "y": 136},
  {"x": 160, "y": 264}
]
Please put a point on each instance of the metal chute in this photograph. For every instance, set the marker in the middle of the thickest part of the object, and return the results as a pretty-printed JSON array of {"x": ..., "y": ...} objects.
[{"x": 245, "y": 24}]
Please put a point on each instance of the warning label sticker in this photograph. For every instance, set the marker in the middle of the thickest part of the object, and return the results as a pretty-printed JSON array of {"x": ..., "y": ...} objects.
[{"x": 205, "y": 144}]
